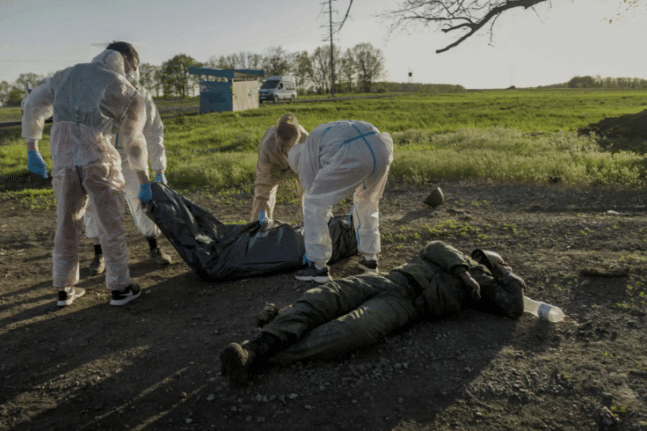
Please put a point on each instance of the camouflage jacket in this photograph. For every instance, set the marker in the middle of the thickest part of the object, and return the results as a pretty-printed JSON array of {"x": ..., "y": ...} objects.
[{"x": 440, "y": 293}]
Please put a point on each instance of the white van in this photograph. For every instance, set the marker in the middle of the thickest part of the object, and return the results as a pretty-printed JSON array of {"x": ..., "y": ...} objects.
[{"x": 276, "y": 88}]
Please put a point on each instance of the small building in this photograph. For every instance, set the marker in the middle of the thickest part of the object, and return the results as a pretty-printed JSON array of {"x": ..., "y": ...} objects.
[{"x": 238, "y": 93}]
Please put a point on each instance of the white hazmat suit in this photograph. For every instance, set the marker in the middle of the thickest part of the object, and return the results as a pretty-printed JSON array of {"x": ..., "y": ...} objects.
[
  {"x": 340, "y": 159},
  {"x": 154, "y": 134},
  {"x": 91, "y": 102}
]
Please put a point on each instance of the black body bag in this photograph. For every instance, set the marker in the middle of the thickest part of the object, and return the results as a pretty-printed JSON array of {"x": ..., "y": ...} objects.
[{"x": 221, "y": 252}]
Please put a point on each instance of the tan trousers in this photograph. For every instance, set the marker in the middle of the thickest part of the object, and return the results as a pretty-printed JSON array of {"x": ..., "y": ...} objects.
[{"x": 72, "y": 188}]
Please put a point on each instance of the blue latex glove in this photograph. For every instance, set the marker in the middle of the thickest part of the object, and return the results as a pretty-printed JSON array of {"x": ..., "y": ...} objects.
[
  {"x": 36, "y": 164},
  {"x": 160, "y": 178},
  {"x": 262, "y": 218},
  {"x": 145, "y": 193}
]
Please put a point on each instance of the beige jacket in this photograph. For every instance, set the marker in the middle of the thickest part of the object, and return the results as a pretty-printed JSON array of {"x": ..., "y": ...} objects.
[{"x": 272, "y": 168}]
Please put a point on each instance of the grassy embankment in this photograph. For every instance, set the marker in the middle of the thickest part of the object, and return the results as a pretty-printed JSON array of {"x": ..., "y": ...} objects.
[
  {"x": 11, "y": 113},
  {"x": 523, "y": 135}
]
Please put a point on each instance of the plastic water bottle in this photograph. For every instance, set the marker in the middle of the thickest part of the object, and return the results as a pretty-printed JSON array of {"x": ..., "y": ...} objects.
[{"x": 542, "y": 310}]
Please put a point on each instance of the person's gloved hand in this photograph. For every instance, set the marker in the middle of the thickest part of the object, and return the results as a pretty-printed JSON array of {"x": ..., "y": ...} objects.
[
  {"x": 36, "y": 164},
  {"x": 262, "y": 218},
  {"x": 145, "y": 193},
  {"x": 160, "y": 178}
]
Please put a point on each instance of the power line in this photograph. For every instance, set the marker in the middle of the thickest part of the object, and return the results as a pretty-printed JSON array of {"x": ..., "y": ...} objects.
[
  {"x": 36, "y": 61},
  {"x": 343, "y": 21}
]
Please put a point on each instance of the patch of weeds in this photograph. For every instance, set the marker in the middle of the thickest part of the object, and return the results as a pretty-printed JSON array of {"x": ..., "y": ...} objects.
[
  {"x": 467, "y": 231},
  {"x": 34, "y": 199},
  {"x": 207, "y": 195},
  {"x": 510, "y": 227},
  {"x": 445, "y": 228},
  {"x": 636, "y": 292},
  {"x": 229, "y": 195},
  {"x": 238, "y": 222},
  {"x": 620, "y": 410},
  {"x": 632, "y": 258}
]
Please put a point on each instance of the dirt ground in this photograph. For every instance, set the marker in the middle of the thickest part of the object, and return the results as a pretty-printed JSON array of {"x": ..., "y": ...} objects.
[
  {"x": 154, "y": 363},
  {"x": 628, "y": 126}
]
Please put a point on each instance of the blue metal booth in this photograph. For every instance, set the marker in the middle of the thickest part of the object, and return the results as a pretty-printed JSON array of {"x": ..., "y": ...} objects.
[{"x": 237, "y": 93}]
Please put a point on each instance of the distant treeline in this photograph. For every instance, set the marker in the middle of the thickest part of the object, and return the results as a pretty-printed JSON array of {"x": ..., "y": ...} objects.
[
  {"x": 356, "y": 69},
  {"x": 599, "y": 82},
  {"x": 395, "y": 87}
]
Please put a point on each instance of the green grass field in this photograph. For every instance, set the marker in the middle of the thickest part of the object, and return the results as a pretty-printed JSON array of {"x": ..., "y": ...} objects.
[
  {"x": 501, "y": 135},
  {"x": 11, "y": 113}
]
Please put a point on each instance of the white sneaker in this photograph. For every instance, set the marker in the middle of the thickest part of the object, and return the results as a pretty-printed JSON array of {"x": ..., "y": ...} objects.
[
  {"x": 311, "y": 273},
  {"x": 368, "y": 265},
  {"x": 68, "y": 295},
  {"x": 121, "y": 297}
]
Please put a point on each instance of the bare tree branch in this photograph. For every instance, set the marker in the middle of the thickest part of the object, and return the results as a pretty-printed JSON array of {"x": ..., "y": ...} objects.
[{"x": 469, "y": 16}]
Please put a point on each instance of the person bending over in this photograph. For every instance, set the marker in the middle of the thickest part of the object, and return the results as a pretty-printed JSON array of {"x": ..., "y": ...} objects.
[
  {"x": 272, "y": 167},
  {"x": 338, "y": 160}
]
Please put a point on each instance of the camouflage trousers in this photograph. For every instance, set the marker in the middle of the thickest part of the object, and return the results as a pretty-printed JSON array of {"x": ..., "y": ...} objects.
[{"x": 341, "y": 316}]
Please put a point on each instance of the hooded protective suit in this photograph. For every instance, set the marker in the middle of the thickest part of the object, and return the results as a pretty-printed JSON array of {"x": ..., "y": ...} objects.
[
  {"x": 90, "y": 102},
  {"x": 340, "y": 159},
  {"x": 271, "y": 169},
  {"x": 154, "y": 134}
]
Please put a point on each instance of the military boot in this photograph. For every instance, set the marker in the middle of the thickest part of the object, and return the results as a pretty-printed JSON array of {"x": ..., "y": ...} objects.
[
  {"x": 98, "y": 265},
  {"x": 238, "y": 361},
  {"x": 160, "y": 256}
]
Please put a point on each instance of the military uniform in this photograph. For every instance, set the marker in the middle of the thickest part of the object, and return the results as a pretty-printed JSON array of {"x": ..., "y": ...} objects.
[{"x": 355, "y": 312}]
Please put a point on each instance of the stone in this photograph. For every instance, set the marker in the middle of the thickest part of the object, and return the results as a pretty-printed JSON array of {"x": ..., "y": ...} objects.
[{"x": 435, "y": 198}]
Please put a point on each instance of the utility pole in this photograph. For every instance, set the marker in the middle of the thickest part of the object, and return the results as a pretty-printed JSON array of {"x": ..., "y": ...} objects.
[{"x": 332, "y": 56}]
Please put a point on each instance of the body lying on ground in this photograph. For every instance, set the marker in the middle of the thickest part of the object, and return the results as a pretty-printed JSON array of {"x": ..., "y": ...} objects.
[{"x": 344, "y": 315}]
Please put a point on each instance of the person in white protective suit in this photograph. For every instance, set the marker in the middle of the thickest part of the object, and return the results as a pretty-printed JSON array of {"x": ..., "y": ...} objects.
[
  {"x": 90, "y": 102},
  {"x": 340, "y": 159},
  {"x": 272, "y": 167},
  {"x": 154, "y": 134}
]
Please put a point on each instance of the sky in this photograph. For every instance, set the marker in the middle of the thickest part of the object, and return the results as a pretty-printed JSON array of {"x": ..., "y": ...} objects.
[{"x": 550, "y": 45}]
